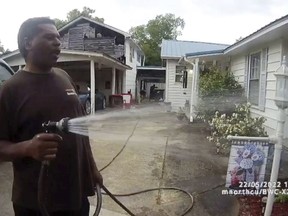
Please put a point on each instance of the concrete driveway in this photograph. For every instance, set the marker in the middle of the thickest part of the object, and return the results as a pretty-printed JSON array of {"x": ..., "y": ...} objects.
[{"x": 160, "y": 151}]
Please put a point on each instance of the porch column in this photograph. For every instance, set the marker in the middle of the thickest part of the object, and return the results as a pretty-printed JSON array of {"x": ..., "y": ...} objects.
[
  {"x": 92, "y": 85},
  {"x": 194, "y": 89},
  {"x": 124, "y": 82},
  {"x": 195, "y": 100},
  {"x": 20, "y": 67},
  {"x": 167, "y": 82},
  {"x": 113, "y": 80},
  {"x": 138, "y": 89}
]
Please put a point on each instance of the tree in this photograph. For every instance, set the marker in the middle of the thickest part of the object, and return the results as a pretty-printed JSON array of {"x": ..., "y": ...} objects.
[
  {"x": 3, "y": 50},
  {"x": 150, "y": 36},
  {"x": 73, "y": 14},
  {"x": 239, "y": 39}
]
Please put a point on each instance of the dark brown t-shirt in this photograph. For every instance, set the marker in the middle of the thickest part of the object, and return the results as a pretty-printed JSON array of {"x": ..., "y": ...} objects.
[{"x": 26, "y": 101}]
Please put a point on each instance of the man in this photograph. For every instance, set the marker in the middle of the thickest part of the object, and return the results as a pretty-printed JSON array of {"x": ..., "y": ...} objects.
[{"x": 34, "y": 95}]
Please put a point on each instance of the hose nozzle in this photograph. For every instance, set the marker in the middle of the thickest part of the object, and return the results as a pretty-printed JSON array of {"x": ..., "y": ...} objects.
[{"x": 61, "y": 125}]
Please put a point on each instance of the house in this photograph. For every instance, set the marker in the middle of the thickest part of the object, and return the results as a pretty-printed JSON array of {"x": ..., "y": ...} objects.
[
  {"x": 95, "y": 53},
  {"x": 253, "y": 61},
  {"x": 179, "y": 76}
]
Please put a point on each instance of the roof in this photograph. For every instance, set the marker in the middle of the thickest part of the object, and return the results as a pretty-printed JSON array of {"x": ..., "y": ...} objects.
[
  {"x": 3, "y": 63},
  {"x": 71, "y": 23},
  {"x": 81, "y": 53},
  {"x": 177, "y": 49}
]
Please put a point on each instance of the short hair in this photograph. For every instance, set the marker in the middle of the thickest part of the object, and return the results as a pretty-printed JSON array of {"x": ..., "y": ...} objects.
[{"x": 29, "y": 29}]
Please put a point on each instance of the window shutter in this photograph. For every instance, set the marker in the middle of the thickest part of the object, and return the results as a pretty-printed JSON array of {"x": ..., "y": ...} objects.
[
  {"x": 263, "y": 79},
  {"x": 185, "y": 79},
  {"x": 246, "y": 76}
]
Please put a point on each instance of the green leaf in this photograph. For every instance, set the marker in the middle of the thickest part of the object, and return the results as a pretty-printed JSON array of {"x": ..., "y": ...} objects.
[{"x": 150, "y": 35}]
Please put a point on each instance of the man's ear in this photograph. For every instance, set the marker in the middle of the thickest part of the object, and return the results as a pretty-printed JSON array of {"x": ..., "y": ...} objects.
[{"x": 27, "y": 43}]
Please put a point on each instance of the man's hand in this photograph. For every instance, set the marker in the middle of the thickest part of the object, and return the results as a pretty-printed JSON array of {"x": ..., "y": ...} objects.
[{"x": 43, "y": 146}]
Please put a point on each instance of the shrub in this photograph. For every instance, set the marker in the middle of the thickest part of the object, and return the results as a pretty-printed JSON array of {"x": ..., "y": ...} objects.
[
  {"x": 240, "y": 123},
  {"x": 216, "y": 82},
  {"x": 218, "y": 91}
]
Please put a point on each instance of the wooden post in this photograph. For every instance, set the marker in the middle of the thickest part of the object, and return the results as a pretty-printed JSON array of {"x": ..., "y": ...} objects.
[
  {"x": 113, "y": 80},
  {"x": 92, "y": 84}
]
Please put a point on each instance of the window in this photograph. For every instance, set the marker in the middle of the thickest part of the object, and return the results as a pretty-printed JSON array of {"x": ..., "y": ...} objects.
[
  {"x": 4, "y": 74},
  {"x": 181, "y": 76},
  {"x": 254, "y": 78},
  {"x": 179, "y": 73}
]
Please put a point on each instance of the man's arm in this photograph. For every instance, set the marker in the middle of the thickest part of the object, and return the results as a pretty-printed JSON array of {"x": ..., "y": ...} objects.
[
  {"x": 41, "y": 147},
  {"x": 11, "y": 151}
]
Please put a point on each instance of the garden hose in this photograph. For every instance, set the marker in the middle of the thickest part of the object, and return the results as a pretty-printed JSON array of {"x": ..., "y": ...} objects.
[
  {"x": 113, "y": 196},
  {"x": 62, "y": 125}
]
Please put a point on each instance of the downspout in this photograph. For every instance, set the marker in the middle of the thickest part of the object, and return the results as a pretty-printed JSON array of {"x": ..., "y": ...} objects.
[{"x": 193, "y": 87}]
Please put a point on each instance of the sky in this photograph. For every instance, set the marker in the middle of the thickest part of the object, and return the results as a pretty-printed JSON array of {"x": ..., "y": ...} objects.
[{"x": 217, "y": 21}]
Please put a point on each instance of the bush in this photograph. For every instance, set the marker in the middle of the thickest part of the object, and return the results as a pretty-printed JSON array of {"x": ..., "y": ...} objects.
[
  {"x": 216, "y": 82},
  {"x": 218, "y": 91},
  {"x": 240, "y": 123}
]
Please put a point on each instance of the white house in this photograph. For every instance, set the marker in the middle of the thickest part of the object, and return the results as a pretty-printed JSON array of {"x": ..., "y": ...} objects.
[
  {"x": 95, "y": 53},
  {"x": 178, "y": 75},
  {"x": 254, "y": 61}
]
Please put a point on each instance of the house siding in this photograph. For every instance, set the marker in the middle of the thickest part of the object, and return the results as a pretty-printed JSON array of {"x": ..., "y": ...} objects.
[
  {"x": 176, "y": 94},
  {"x": 131, "y": 74},
  {"x": 274, "y": 61}
]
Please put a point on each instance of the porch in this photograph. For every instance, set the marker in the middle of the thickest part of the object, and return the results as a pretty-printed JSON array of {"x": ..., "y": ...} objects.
[
  {"x": 99, "y": 71},
  {"x": 198, "y": 63}
]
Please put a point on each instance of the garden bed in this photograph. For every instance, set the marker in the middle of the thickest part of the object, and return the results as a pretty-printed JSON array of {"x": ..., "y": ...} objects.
[{"x": 253, "y": 206}]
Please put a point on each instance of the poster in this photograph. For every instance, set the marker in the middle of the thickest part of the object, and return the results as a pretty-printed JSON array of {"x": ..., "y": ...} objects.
[{"x": 247, "y": 163}]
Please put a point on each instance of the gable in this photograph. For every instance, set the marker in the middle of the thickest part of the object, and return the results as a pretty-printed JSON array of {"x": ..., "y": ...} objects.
[{"x": 104, "y": 29}]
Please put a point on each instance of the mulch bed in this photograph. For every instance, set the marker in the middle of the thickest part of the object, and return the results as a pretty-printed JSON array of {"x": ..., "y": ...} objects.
[{"x": 253, "y": 206}]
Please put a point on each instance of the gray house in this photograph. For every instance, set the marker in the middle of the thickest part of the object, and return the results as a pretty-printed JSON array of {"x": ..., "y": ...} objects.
[{"x": 180, "y": 76}]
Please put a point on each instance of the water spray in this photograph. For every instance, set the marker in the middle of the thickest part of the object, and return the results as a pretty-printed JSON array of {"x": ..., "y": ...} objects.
[
  {"x": 81, "y": 126},
  {"x": 50, "y": 127}
]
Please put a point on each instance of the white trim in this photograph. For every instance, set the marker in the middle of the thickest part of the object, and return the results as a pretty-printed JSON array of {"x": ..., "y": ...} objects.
[
  {"x": 113, "y": 84},
  {"x": 15, "y": 52},
  {"x": 205, "y": 55},
  {"x": 249, "y": 79},
  {"x": 97, "y": 23},
  {"x": 272, "y": 140},
  {"x": 150, "y": 68},
  {"x": 138, "y": 47},
  {"x": 92, "y": 84},
  {"x": 95, "y": 54},
  {"x": 171, "y": 58},
  {"x": 82, "y": 53}
]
